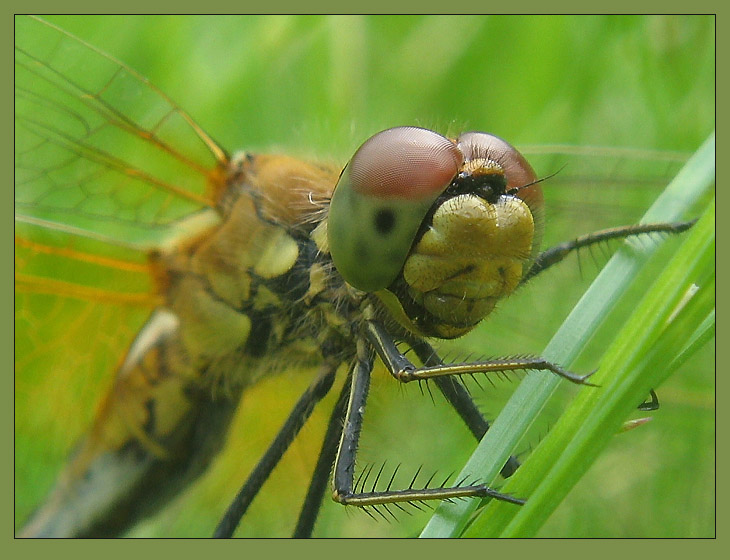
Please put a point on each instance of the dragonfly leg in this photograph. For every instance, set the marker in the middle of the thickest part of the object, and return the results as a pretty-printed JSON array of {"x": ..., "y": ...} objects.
[
  {"x": 554, "y": 255},
  {"x": 652, "y": 403},
  {"x": 321, "y": 475},
  {"x": 298, "y": 416},
  {"x": 344, "y": 470},
  {"x": 403, "y": 370}
]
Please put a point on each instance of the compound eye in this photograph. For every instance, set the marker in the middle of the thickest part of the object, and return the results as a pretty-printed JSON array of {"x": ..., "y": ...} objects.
[
  {"x": 480, "y": 145},
  {"x": 381, "y": 199},
  {"x": 406, "y": 163}
]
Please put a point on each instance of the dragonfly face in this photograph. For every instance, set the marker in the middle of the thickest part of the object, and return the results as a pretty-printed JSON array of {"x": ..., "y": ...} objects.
[
  {"x": 448, "y": 227},
  {"x": 225, "y": 262}
]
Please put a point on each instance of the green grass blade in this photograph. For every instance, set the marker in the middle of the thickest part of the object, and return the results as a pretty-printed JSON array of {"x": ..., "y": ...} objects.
[
  {"x": 641, "y": 357},
  {"x": 528, "y": 400}
]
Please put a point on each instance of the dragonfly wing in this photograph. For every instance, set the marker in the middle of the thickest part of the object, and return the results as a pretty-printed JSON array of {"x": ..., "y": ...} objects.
[
  {"x": 109, "y": 171},
  {"x": 100, "y": 149}
]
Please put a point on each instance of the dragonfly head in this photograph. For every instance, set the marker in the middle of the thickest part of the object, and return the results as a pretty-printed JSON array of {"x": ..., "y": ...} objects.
[{"x": 439, "y": 229}]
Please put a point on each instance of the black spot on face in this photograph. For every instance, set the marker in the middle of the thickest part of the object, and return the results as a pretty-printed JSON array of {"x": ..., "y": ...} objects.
[{"x": 384, "y": 221}]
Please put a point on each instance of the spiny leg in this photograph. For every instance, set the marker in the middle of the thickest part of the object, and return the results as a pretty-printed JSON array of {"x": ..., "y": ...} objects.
[
  {"x": 323, "y": 469},
  {"x": 554, "y": 255},
  {"x": 298, "y": 416},
  {"x": 344, "y": 469},
  {"x": 403, "y": 370}
]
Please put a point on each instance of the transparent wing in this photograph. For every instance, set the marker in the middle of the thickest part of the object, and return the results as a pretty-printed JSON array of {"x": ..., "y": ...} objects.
[
  {"x": 105, "y": 166},
  {"x": 98, "y": 147},
  {"x": 599, "y": 186},
  {"x": 78, "y": 306}
]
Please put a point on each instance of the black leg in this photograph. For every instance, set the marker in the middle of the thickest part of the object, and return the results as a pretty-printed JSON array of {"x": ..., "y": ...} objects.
[
  {"x": 344, "y": 470},
  {"x": 403, "y": 370},
  {"x": 298, "y": 416},
  {"x": 652, "y": 403},
  {"x": 554, "y": 255},
  {"x": 323, "y": 469}
]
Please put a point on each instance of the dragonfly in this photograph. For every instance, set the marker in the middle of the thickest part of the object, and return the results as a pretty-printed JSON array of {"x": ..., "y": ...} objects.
[{"x": 233, "y": 266}]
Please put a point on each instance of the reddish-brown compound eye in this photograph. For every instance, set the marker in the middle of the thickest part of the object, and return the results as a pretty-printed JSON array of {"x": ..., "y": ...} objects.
[
  {"x": 517, "y": 171},
  {"x": 407, "y": 163},
  {"x": 381, "y": 199}
]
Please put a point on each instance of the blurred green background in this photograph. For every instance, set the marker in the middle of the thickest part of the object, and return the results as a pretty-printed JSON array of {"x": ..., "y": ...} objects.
[{"x": 318, "y": 87}]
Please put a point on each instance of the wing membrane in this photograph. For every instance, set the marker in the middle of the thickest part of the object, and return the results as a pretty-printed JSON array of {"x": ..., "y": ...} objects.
[
  {"x": 598, "y": 187},
  {"x": 99, "y": 147},
  {"x": 77, "y": 309}
]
